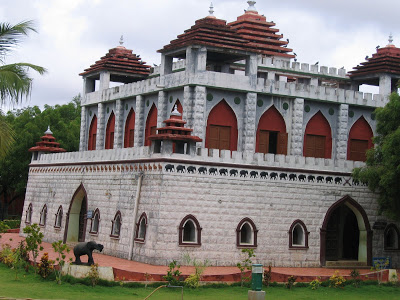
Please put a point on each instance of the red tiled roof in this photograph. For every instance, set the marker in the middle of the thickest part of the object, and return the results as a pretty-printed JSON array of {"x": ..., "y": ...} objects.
[
  {"x": 120, "y": 60},
  {"x": 251, "y": 32},
  {"x": 47, "y": 144},
  {"x": 385, "y": 60}
]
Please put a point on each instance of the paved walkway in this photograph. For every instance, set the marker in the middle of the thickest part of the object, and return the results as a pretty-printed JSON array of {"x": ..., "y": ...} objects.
[{"x": 135, "y": 271}]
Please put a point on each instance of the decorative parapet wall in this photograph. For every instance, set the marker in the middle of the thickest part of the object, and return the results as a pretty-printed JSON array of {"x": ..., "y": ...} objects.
[
  {"x": 236, "y": 82},
  {"x": 209, "y": 157}
]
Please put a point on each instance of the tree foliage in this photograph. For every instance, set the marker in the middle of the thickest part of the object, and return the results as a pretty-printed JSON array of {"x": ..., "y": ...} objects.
[
  {"x": 382, "y": 170},
  {"x": 29, "y": 124}
]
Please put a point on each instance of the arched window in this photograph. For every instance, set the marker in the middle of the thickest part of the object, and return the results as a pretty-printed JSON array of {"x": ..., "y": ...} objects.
[
  {"x": 298, "y": 235},
  {"x": 189, "y": 231},
  {"x": 391, "y": 237},
  {"x": 110, "y": 132},
  {"x": 222, "y": 132},
  {"x": 179, "y": 107},
  {"x": 92, "y": 134},
  {"x": 43, "y": 216},
  {"x": 141, "y": 227},
  {"x": 59, "y": 215},
  {"x": 246, "y": 234},
  {"x": 360, "y": 140},
  {"x": 129, "y": 129},
  {"x": 116, "y": 225},
  {"x": 318, "y": 137},
  {"x": 94, "y": 227},
  {"x": 271, "y": 133},
  {"x": 28, "y": 214},
  {"x": 151, "y": 124}
]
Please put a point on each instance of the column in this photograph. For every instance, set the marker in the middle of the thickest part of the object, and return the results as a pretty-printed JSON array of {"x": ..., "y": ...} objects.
[
  {"x": 296, "y": 145},
  {"x": 162, "y": 113},
  {"x": 100, "y": 127},
  {"x": 249, "y": 123},
  {"x": 252, "y": 69},
  {"x": 187, "y": 106},
  {"x": 139, "y": 122},
  {"x": 119, "y": 125},
  {"x": 385, "y": 85},
  {"x": 104, "y": 80},
  {"x": 341, "y": 134},
  {"x": 199, "y": 113},
  {"x": 83, "y": 139}
]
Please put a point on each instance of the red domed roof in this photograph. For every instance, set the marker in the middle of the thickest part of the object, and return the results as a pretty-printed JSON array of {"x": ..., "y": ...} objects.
[
  {"x": 120, "y": 60},
  {"x": 47, "y": 144}
]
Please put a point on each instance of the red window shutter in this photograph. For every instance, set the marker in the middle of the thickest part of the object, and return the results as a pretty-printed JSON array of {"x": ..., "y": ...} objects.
[
  {"x": 282, "y": 143},
  {"x": 263, "y": 141}
]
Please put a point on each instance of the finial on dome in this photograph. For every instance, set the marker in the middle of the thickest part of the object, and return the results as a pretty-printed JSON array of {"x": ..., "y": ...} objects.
[
  {"x": 48, "y": 131},
  {"x": 175, "y": 112},
  {"x": 390, "y": 39},
  {"x": 211, "y": 11},
  {"x": 251, "y": 6},
  {"x": 121, "y": 40}
]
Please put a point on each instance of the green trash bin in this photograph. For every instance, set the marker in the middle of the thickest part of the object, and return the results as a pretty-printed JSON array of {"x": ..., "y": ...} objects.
[{"x": 257, "y": 277}]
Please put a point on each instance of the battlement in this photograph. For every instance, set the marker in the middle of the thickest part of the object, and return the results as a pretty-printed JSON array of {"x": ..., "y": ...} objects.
[{"x": 204, "y": 156}]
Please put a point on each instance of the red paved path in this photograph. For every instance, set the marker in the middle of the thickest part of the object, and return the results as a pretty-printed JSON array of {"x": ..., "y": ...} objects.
[{"x": 132, "y": 270}]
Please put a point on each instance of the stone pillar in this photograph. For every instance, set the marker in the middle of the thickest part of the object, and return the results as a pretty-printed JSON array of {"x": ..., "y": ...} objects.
[
  {"x": 187, "y": 106},
  {"x": 342, "y": 136},
  {"x": 162, "y": 113},
  {"x": 249, "y": 124},
  {"x": 385, "y": 85},
  {"x": 83, "y": 139},
  {"x": 119, "y": 125},
  {"x": 201, "y": 59},
  {"x": 139, "y": 122},
  {"x": 100, "y": 127},
  {"x": 199, "y": 113},
  {"x": 89, "y": 85},
  {"x": 296, "y": 145},
  {"x": 165, "y": 67},
  {"x": 252, "y": 69},
  {"x": 104, "y": 80}
]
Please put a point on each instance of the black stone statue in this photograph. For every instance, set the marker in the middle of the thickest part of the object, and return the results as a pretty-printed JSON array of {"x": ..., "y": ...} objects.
[{"x": 86, "y": 249}]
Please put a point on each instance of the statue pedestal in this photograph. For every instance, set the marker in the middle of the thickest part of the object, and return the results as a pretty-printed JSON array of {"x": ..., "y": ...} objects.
[
  {"x": 256, "y": 295},
  {"x": 81, "y": 271}
]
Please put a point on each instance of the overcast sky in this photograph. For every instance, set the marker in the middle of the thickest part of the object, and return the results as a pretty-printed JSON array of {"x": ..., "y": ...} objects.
[{"x": 73, "y": 34}]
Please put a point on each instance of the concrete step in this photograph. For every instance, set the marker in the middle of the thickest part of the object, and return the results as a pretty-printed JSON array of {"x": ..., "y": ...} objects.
[{"x": 346, "y": 264}]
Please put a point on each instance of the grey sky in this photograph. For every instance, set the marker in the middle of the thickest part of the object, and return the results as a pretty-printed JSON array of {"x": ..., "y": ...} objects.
[{"x": 74, "y": 34}]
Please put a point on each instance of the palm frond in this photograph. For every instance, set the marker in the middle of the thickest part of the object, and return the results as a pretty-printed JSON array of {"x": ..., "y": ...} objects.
[
  {"x": 10, "y": 35},
  {"x": 6, "y": 136},
  {"x": 15, "y": 82}
]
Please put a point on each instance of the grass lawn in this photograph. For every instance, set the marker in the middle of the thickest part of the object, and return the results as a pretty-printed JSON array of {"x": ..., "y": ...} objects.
[{"x": 31, "y": 286}]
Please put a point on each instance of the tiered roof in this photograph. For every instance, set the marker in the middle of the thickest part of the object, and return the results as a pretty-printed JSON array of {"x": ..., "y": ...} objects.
[
  {"x": 175, "y": 130},
  {"x": 47, "y": 144},
  {"x": 120, "y": 60},
  {"x": 385, "y": 60},
  {"x": 251, "y": 32}
]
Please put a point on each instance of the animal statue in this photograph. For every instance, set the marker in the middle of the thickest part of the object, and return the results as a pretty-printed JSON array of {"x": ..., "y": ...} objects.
[{"x": 86, "y": 249}]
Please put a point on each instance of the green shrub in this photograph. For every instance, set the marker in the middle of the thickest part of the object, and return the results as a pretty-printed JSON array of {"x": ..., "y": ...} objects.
[
  {"x": 94, "y": 274},
  {"x": 173, "y": 274},
  {"x": 290, "y": 282},
  {"x": 336, "y": 280},
  {"x": 315, "y": 284},
  {"x": 45, "y": 267},
  {"x": 13, "y": 224}
]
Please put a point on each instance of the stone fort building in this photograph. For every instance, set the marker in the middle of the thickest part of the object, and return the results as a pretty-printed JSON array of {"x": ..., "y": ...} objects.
[{"x": 230, "y": 143}]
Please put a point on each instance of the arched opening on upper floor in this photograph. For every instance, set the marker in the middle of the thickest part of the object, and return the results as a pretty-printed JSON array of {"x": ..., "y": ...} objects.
[
  {"x": 179, "y": 108},
  {"x": 92, "y": 134},
  {"x": 360, "y": 140},
  {"x": 129, "y": 136},
  {"x": 271, "y": 133},
  {"x": 222, "y": 132},
  {"x": 318, "y": 137},
  {"x": 151, "y": 124},
  {"x": 110, "y": 129}
]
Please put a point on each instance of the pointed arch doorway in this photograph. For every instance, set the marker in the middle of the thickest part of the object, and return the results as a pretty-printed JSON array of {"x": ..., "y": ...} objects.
[
  {"x": 75, "y": 225},
  {"x": 346, "y": 235}
]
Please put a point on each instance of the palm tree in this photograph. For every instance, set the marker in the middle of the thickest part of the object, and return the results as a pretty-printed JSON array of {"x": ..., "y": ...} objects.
[{"x": 15, "y": 83}]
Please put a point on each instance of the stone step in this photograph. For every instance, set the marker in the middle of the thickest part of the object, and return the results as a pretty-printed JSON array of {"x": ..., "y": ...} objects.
[{"x": 346, "y": 264}]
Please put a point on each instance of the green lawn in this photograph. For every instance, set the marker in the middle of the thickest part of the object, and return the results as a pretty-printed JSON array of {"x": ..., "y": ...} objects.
[{"x": 31, "y": 286}]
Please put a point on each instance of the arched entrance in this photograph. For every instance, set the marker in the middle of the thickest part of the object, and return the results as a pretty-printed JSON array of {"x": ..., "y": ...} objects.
[
  {"x": 346, "y": 234},
  {"x": 75, "y": 225}
]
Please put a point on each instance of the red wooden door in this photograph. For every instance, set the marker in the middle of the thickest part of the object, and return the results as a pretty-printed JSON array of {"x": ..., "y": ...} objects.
[{"x": 358, "y": 150}]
